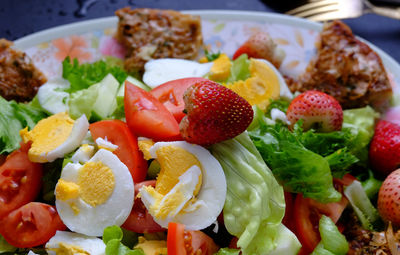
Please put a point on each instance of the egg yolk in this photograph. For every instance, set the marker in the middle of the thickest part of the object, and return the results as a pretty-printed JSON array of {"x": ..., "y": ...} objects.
[
  {"x": 66, "y": 190},
  {"x": 260, "y": 87},
  {"x": 152, "y": 247},
  {"x": 66, "y": 249},
  {"x": 221, "y": 68},
  {"x": 47, "y": 135},
  {"x": 144, "y": 146},
  {"x": 174, "y": 161},
  {"x": 96, "y": 183}
]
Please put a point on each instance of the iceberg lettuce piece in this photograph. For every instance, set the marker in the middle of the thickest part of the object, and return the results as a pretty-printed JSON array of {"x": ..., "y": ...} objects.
[
  {"x": 287, "y": 242},
  {"x": 361, "y": 123},
  {"x": 240, "y": 69},
  {"x": 255, "y": 204}
]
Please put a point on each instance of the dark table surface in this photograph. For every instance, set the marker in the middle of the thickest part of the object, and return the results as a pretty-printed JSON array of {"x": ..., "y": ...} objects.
[{"x": 22, "y": 17}]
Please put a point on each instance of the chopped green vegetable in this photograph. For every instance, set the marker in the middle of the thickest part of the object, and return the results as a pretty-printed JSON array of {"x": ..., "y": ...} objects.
[
  {"x": 6, "y": 247},
  {"x": 210, "y": 55},
  {"x": 370, "y": 184},
  {"x": 239, "y": 69},
  {"x": 254, "y": 205},
  {"x": 82, "y": 76},
  {"x": 113, "y": 238},
  {"x": 332, "y": 241},
  {"x": 361, "y": 123},
  {"x": 153, "y": 170},
  {"x": 287, "y": 242},
  {"x": 340, "y": 161},
  {"x": 14, "y": 117},
  {"x": 320, "y": 250},
  {"x": 298, "y": 169},
  {"x": 82, "y": 101},
  {"x": 362, "y": 206},
  {"x": 279, "y": 104},
  {"x": 227, "y": 251}
]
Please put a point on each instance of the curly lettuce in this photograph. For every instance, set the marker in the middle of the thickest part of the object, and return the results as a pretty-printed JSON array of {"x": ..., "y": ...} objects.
[
  {"x": 298, "y": 169},
  {"x": 255, "y": 203}
]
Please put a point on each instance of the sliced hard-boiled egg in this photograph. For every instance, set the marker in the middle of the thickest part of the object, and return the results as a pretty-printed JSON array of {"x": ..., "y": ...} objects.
[
  {"x": 159, "y": 71},
  {"x": 152, "y": 247},
  {"x": 64, "y": 242},
  {"x": 265, "y": 83},
  {"x": 105, "y": 144},
  {"x": 95, "y": 195},
  {"x": 83, "y": 154},
  {"x": 55, "y": 136},
  {"x": 190, "y": 188}
]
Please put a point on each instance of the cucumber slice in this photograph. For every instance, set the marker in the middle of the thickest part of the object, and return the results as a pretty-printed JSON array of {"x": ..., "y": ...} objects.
[
  {"x": 51, "y": 96},
  {"x": 106, "y": 101}
]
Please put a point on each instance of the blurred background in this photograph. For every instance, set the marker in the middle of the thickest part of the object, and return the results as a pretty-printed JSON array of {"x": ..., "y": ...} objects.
[{"x": 22, "y": 17}]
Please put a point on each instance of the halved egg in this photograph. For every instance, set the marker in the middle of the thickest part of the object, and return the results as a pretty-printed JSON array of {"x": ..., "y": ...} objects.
[
  {"x": 95, "y": 195},
  {"x": 54, "y": 137},
  {"x": 64, "y": 242},
  {"x": 190, "y": 188},
  {"x": 159, "y": 71},
  {"x": 265, "y": 83}
]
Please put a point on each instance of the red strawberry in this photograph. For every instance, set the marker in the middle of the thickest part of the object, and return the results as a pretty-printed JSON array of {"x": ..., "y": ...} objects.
[
  {"x": 214, "y": 113},
  {"x": 260, "y": 45},
  {"x": 317, "y": 110},
  {"x": 384, "y": 150},
  {"x": 389, "y": 198}
]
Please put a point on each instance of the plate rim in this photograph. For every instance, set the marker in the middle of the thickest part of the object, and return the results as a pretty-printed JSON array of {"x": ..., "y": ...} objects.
[{"x": 81, "y": 27}]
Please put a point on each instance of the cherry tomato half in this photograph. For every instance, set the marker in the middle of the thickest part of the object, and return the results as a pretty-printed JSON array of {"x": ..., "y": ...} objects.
[
  {"x": 171, "y": 95},
  {"x": 140, "y": 220},
  {"x": 148, "y": 117},
  {"x": 31, "y": 225},
  {"x": 118, "y": 133},
  {"x": 20, "y": 180}
]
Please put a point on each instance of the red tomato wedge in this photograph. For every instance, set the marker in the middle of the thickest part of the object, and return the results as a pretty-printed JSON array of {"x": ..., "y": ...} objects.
[
  {"x": 148, "y": 117},
  {"x": 182, "y": 242},
  {"x": 31, "y": 225},
  {"x": 140, "y": 220},
  {"x": 118, "y": 133},
  {"x": 20, "y": 180},
  {"x": 308, "y": 213},
  {"x": 171, "y": 95}
]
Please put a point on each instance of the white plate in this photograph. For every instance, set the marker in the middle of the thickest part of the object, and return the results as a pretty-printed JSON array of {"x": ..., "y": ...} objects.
[{"x": 222, "y": 31}]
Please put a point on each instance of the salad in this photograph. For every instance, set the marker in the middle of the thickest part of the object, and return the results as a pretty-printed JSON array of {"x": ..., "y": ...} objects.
[{"x": 215, "y": 156}]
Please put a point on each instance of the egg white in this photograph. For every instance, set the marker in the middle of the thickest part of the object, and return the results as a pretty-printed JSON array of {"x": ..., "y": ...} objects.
[
  {"x": 159, "y": 71},
  {"x": 211, "y": 197},
  {"x": 92, "y": 245},
  {"x": 78, "y": 133},
  {"x": 91, "y": 220}
]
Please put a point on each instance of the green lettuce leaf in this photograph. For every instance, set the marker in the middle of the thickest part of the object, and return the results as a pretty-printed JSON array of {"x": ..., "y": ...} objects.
[
  {"x": 279, "y": 104},
  {"x": 298, "y": 169},
  {"x": 254, "y": 205},
  {"x": 82, "y": 76},
  {"x": 6, "y": 247},
  {"x": 361, "y": 123},
  {"x": 82, "y": 101},
  {"x": 113, "y": 237},
  {"x": 239, "y": 69},
  {"x": 14, "y": 117}
]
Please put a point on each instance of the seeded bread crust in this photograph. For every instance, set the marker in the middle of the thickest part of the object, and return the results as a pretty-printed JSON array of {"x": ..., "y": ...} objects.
[{"x": 152, "y": 34}]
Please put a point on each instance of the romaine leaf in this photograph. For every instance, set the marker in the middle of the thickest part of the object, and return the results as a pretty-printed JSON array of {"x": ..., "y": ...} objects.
[
  {"x": 14, "y": 117},
  {"x": 254, "y": 205},
  {"x": 298, "y": 169},
  {"x": 82, "y": 76}
]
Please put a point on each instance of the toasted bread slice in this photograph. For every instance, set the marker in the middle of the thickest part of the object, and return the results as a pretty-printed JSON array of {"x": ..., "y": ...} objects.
[{"x": 346, "y": 68}]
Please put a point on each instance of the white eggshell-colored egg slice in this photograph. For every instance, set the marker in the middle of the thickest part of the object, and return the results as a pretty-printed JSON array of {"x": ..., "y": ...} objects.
[
  {"x": 78, "y": 133},
  {"x": 211, "y": 197},
  {"x": 91, "y": 245},
  {"x": 92, "y": 220},
  {"x": 159, "y": 71}
]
